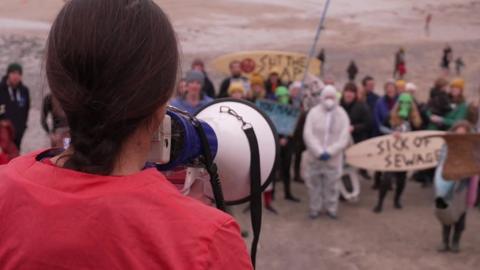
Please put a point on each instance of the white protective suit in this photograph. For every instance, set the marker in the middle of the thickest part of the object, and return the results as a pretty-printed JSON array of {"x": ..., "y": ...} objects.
[{"x": 326, "y": 131}]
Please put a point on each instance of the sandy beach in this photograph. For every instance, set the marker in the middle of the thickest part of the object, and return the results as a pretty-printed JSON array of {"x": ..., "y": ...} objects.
[{"x": 369, "y": 32}]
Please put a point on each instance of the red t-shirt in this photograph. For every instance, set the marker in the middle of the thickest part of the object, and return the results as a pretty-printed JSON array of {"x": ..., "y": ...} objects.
[{"x": 54, "y": 218}]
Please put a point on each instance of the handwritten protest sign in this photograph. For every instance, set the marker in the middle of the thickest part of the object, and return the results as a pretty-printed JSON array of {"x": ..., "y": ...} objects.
[
  {"x": 463, "y": 159},
  {"x": 291, "y": 65},
  {"x": 411, "y": 151},
  {"x": 284, "y": 117}
]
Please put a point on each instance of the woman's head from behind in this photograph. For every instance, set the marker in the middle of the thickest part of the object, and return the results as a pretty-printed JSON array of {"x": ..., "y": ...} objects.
[{"x": 112, "y": 65}]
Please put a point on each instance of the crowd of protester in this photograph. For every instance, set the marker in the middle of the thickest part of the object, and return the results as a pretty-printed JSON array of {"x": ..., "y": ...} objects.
[{"x": 323, "y": 132}]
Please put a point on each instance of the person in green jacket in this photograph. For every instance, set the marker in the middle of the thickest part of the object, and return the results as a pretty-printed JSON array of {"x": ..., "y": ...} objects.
[
  {"x": 459, "y": 108},
  {"x": 447, "y": 107}
]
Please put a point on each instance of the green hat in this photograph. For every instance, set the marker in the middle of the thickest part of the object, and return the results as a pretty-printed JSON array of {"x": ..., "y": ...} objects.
[
  {"x": 281, "y": 91},
  {"x": 14, "y": 67},
  {"x": 405, "y": 101},
  {"x": 282, "y": 94}
]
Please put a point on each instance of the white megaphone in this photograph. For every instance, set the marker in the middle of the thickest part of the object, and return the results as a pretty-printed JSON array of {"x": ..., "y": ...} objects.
[
  {"x": 225, "y": 124},
  {"x": 235, "y": 142}
]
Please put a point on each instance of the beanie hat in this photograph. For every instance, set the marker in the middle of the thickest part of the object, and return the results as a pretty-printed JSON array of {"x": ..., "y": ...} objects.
[
  {"x": 411, "y": 87},
  {"x": 281, "y": 91},
  {"x": 283, "y": 95},
  {"x": 458, "y": 83},
  {"x": 295, "y": 84},
  {"x": 194, "y": 75},
  {"x": 14, "y": 67},
  {"x": 256, "y": 79},
  {"x": 405, "y": 101},
  {"x": 329, "y": 91},
  {"x": 236, "y": 87},
  {"x": 400, "y": 84}
]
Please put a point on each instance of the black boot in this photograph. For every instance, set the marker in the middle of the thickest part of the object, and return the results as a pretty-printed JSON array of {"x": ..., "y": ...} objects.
[
  {"x": 457, "y": 233},
  {"x": 401, "y": 182},
  {"x": 376, "y": 180},
  {"x": 364, "y": 174},
  {"x": 456, "y": 241},
  {"x": 381, "y": 197},
  {"x": 290, "y": 197},
  {"x": 397, "y": 204},
  {"x": 384, "y": 184},
  {"x": 445, "y": 246}
]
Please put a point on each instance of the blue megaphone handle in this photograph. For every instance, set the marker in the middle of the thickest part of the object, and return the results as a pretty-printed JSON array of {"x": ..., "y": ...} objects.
[{"x": 192, "y": 147}]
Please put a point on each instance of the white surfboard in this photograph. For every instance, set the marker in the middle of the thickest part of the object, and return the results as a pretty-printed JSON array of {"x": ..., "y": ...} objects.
[{"x": 411, "y": 151}]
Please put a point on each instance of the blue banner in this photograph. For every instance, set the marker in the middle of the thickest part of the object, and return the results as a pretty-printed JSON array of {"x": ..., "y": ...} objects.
[{"x": 284, "y": 117}]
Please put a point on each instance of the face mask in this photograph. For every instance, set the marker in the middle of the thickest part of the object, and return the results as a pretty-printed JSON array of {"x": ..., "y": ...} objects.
[{"x": 329, "y": 104}]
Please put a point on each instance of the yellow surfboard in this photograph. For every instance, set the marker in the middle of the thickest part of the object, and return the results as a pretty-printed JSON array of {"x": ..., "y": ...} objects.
[
  {"x": 290, "y": 65},
  {"x": 411, "y": 151}
]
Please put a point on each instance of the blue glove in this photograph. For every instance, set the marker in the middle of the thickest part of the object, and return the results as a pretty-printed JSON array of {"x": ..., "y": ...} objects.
[{"x": 325, "y": 156}]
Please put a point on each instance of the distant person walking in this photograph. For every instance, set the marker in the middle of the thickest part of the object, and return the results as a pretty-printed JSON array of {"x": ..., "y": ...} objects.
[
  {"x": 459, "y": 66},
  {"x": 15, "y": 100},
  {"x": 400, "y": 67},
  {"x": 446, "y": 59},
  {"x": 428, "y": 21},
  {"x": 352, "y": 71},
  {"x": 322, "y": 57}
]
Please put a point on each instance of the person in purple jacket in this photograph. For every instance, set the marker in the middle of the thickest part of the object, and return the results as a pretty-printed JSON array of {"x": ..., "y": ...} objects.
[{"x": 384, "y": 106}]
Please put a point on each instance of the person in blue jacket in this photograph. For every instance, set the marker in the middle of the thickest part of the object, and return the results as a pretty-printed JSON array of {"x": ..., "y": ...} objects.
[{"x": 193, "y": 99}]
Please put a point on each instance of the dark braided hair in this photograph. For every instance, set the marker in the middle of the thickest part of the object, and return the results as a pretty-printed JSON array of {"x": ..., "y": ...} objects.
[{"x": 111, "y": 64}]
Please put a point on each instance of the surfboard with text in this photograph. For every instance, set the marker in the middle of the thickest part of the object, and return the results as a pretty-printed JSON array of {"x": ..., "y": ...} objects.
[{"x": 411, "y": 151}]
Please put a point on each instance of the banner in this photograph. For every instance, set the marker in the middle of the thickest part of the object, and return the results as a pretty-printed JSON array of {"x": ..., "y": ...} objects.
[
  {"x": 290, "y": 65},
  {"x": 284, "y": 117}
]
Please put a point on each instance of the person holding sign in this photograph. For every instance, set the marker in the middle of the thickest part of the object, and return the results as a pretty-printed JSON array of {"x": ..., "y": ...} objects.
[
  {"x": 326, "y": 135},
  {"x": 404, "y": 117},
  {"x": 453, "y": 198}
]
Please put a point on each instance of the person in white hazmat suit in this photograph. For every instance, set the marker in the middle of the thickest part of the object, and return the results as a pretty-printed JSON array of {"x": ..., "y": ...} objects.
[{"x": 326, "y": 136}]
